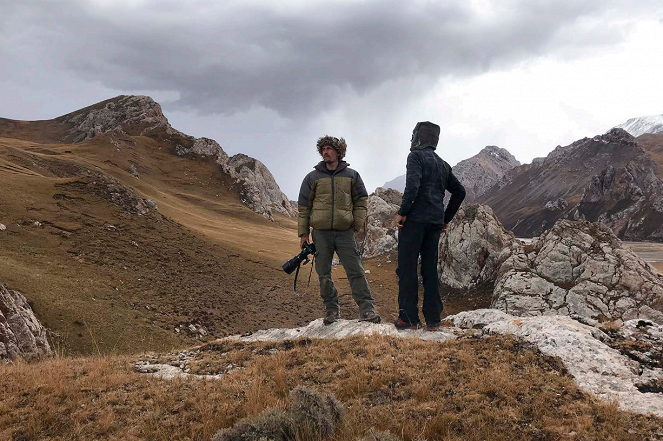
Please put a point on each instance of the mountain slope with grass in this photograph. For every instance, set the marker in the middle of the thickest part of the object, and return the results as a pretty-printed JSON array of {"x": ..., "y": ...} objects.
[{"x": 127, "y": 235}]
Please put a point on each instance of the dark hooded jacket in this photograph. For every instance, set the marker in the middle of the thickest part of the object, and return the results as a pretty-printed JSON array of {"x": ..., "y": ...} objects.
[
  {"x": 332, "y": 200},
  {"x": 426, "y": 180}
]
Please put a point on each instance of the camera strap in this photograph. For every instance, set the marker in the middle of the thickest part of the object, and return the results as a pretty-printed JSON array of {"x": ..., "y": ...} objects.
[{"x": 294, "y": 286}]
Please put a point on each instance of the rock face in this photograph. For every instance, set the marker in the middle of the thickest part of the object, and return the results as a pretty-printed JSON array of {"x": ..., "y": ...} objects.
[
  {"x": 470, "y": 249},
  {"x": 610, "y": 177},
  {"x": 21, "y": 334},
  {"x": 260, "y": 192},
  {"x": 381, "y": 234},
  {"x": 579, "y": 269},
  {"x": 628, "y": 199},
  {"x": 483, "y": 170}
]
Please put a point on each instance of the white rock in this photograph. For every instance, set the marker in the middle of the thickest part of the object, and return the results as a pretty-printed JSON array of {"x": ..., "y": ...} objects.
[{"x": 21, "y": 334}]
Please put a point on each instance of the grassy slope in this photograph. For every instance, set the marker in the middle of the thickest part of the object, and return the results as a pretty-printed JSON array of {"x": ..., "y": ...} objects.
[
  {"x": 211, "y": 260},
  {"x": 472, "y": 389}
]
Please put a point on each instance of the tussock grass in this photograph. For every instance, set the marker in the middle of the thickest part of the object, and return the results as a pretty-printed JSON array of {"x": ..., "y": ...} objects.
[{"x": 495, "y": 388}]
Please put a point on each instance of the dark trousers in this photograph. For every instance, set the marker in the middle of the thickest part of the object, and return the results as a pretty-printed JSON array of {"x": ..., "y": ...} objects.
[{"x": 417, "y": 238}]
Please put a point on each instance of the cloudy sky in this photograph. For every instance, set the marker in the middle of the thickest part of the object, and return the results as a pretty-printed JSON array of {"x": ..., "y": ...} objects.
[{"x": 267, "y": 78}]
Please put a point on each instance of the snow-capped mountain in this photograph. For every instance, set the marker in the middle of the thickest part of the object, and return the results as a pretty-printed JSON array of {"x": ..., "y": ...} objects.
[{"x": 643, "y": 124}]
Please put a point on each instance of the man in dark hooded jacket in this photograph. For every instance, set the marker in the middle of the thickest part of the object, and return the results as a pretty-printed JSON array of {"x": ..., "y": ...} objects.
[{"x": 421, "y": 219}]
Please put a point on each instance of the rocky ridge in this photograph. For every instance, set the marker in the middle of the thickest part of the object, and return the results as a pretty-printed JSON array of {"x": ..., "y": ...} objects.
[
  {"x": 609, "y": 177},
  {"x": 122, "y": 117},
  {"x": 21, "y": 334},
  {"x": 585, "y": 351}
]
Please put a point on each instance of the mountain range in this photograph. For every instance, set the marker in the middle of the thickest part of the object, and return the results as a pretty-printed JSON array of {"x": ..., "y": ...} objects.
[{"x": 614, "y": 178}]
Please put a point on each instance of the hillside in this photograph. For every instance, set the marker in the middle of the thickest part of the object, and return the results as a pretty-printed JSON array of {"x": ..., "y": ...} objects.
[
  {"x": 609, "y": 178},
  {"x": 121, "y": 244}
]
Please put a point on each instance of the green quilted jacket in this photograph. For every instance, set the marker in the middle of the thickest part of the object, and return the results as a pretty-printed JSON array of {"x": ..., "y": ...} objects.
[{"x": 332, "y": 200}]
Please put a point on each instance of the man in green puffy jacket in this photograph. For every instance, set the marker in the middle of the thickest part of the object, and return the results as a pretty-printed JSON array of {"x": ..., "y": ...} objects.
[{"x": 333, "y": 201}]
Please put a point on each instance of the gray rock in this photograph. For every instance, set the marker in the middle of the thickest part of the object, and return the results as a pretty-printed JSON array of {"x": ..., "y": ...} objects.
[
  {"x": 2, "y": 227},
  {"x": 21, "y": 334},
  {"x": 596, "y": 367},
  {"x": 380, "y": 235},
  {"x": 126, "y": 114},
  {"x": 260, "y": 192},
  {"x": 470, "y": 249},
  {"x": 579, "y": 269}
]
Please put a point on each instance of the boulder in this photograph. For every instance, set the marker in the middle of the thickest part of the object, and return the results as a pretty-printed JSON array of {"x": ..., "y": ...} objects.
[
  {"x": 21, "y": 334},
  {"x": 381, "y": 233},
  {"x": 579, "y": 269},
  {"x": 471, "y": 247}
]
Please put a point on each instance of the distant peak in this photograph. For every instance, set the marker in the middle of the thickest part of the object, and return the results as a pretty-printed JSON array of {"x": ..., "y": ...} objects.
[{"x": 643, "y": 124}]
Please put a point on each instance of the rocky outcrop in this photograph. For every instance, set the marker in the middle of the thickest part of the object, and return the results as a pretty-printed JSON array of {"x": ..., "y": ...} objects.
[
  {"x": 260, "y": 192},
  {"x": 129, "y": 114},
  {"x": 589, "y": 354},
  {"x": 483, "y": 170},
  {"x": 597, "y": 368},
  {"x": 381, "y": 233},
  {"x": 579, "y": 269},
  {"x": 203, "y": 147},
  {"x": 21, "y": 334},
  {"x": 109, "y": 188},
  {"x": 470, "y": 249}
]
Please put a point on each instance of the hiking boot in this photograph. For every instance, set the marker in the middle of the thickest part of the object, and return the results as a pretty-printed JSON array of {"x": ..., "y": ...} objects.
[
  {"x": 433, "y": 326},
  {"x": 402, "y": 325},
  {"x": 331, "y": 317},
  {"x": 369, "y": 316}
]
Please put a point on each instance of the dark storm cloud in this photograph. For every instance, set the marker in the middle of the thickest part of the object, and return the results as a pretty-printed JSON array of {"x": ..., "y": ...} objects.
[{"x": 228, "y": 58}]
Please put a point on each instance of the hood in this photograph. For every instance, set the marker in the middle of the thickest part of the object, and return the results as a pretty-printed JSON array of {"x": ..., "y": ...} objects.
[{"x": 425, "y": 134}]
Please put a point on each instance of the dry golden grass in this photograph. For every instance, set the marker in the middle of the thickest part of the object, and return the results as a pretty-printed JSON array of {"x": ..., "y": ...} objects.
[{"x": 473, "y": 389}]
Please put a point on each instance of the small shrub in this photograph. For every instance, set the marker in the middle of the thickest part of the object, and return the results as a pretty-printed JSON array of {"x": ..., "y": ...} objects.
[{"x": 310, "y": 415}]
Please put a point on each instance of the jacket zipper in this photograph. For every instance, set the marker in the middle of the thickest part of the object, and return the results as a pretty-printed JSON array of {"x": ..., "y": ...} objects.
[{"x": 332, "y": 214}]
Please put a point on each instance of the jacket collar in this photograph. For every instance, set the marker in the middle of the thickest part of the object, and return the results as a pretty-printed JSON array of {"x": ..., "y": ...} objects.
[{"x": 321, "y": 166}]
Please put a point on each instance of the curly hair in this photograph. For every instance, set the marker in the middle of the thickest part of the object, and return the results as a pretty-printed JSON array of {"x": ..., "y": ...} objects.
[{"x": 337, "y": 144}]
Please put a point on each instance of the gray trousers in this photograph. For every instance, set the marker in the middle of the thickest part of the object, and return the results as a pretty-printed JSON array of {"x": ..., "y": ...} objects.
[{"x": 343, "y": 242}]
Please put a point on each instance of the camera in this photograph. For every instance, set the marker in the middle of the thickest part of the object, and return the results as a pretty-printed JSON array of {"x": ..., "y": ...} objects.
[{"x": 293, "y": 264}]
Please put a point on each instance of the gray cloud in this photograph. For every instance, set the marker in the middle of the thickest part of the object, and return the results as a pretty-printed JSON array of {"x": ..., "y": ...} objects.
[{"x": 230, "y": 58}]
